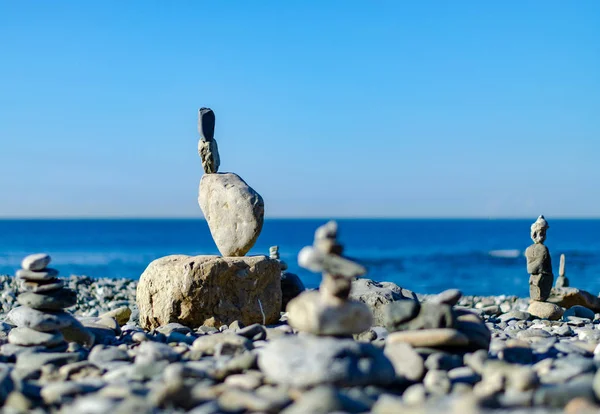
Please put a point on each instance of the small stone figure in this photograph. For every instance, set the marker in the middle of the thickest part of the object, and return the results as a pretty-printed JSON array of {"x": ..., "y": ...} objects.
[
  {"x": 207, "y": 147},
  {"x": 329, "y": 311},
  {"x": 291, "y": 285},
  {"x": 539, "y": 264},
  {"x": 562, "y": 280},
  {"x": 41, "y": 320}
]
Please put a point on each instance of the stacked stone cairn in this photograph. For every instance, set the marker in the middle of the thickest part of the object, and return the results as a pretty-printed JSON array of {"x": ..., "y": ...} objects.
[
  {"x": 541, "y": 279},
  {"x": 41, "y": 318},
  {"x": 329, "y": 311},
  {"x": 233, "y": 210},
  {"x": 562, "y": 281},
  {"x": 291, "y": 285},
  {"x": 215, "y": 290}
]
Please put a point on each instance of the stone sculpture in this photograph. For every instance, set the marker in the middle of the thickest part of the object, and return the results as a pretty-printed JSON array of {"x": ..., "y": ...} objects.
[
  {"x": 209, "y": 289},
  {"x": 41, "y": 320},
  {"x": 539, "y": 264},
  {"x": 562, "y": 280},
  {"x": 329, "y": 311},
  {"x": 233, "y": 210}
]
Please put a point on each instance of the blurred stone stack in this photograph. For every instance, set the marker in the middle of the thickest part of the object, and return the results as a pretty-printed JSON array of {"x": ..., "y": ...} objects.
[{"x": 41, "y": 319}]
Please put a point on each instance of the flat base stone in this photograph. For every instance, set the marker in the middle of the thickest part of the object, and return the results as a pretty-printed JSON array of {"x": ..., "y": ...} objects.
[
  {"x": 445, "y": 337},
  {"x": 567, "y": 297},
  {"x": 545, "y": 310},
  {"x": 210, "y": 291},
  {"x": 308, "y": 313},
  {"x": 28, "y": 337}
]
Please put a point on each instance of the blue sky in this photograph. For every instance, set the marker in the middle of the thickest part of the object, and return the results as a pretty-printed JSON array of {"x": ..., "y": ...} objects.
[{"x": 326, "y": 108}]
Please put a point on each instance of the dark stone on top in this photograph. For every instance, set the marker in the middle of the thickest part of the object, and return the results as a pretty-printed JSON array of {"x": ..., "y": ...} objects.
[
  {"x": 206, "y": 124},
  {"x": 291, "y": 286},
  {"x": 409, "y": 315}
]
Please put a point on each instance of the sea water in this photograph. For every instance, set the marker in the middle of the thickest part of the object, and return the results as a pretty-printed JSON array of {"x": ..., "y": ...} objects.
[{"x": 482, "y": 257}]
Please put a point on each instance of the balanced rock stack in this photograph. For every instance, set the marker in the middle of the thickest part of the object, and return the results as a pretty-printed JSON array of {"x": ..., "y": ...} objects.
[
  {"x": 215, "y": 290},
  {"x": 233, "y": 210},
  {"x": 291, "y": 285},
  {"x": 541, "y": 279},
  {"x": 329, "y": 311},
  {"x": 41, "y": 318}
]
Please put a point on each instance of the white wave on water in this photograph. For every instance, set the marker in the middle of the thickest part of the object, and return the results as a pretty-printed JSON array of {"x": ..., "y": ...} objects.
[{"x": 506, "y": 254}]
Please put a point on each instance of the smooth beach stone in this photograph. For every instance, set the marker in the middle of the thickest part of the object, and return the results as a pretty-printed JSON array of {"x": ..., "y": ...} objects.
[
  {"x": 406, "y": 361},
  {"x": 377, "y": 295},
  {"x": 23, "y": 316},
  {"x": 310, "y": 313},
  {"x": 430, "y": 338},
  {"x": 233, "y": 210},
  {"x": 580, "y": 312},
  {"x": 545, "y": 310},
  {"x": 47, "y": 274},
  {"x": 429, "y": 316},
  {"x": 307, "y": 360},
  {"x": 207, "y": 344},
  {"x": 78, "y": 333},
  {"x": 59, "y": 392},
  {"x": 448, "y": 297},
  {"x": 36, "y": 262},
  {"x": 121, "y": 315},
  {"x": 400, "y": 312},
  {"x": 29, "y": 337},
  {"x": 36, "y": 287},
  {"x": 57, "y": 300}
]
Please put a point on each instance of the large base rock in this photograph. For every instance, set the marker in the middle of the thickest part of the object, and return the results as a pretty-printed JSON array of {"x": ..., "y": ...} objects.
[
  {"x": 209, "y": 290},
  {"x": 309, "y": 313},
  {"x": 233, "y": 210},
  {"x": 569, "y": 296}
]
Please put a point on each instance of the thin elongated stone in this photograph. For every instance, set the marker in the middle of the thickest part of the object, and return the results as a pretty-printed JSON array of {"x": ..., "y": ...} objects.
[
  {"x": 57, "y": 300},
  {"x": 47, "y": 274},
  {"x": 28, "y": 337},
  {"x": 35, "y": 287}
]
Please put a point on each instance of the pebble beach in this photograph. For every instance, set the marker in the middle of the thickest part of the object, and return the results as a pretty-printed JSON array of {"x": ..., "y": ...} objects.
[{"x": 531, "y": 366}]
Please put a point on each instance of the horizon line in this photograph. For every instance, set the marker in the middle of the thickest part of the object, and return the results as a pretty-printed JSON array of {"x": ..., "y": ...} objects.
[{"x": 187, "y": 218}]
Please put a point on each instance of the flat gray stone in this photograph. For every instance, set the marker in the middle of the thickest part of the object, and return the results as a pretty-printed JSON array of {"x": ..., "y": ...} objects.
[
  {"x": 35, "y": 287},
  {"x": 407, "y": 362},
  {"x": 36, "y": 262},
  {"x": 38, "y": 320},
  {"x": 78, "y": 333},
  {"x": 306, "y": 360},
  {"x": 57, "y": 300},
  {"x": 46, "y": 274},
  {"x": 376, "y": 295},
  {"x": 207, "y": 344},
  {"x": 29, "y": 337}
]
